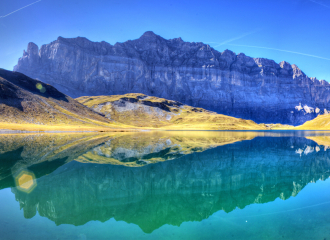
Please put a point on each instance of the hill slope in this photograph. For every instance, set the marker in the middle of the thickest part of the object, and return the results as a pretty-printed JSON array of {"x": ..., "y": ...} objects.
[
  {"x": 321, "y": 122},
  {"x": 145, "y": 111},
  {"x": 28, "y": 102},
  {"x": 193, "y": 73}
]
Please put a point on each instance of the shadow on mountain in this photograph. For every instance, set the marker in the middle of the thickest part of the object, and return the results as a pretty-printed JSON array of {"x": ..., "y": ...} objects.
[
  {"x": 9, "y": 95},
  {"x": 16, "y": 80}
]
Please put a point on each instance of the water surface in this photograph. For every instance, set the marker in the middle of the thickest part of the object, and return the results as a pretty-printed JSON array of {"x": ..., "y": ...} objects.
[{"x": 165, "y": 185}]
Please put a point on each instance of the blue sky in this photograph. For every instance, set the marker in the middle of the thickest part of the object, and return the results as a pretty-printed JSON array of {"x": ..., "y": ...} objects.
[{"x": 274, "y": 29}]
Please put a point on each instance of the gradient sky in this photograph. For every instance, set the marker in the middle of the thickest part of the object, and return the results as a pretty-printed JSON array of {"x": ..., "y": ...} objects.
[{"x": 297, "y": 31}]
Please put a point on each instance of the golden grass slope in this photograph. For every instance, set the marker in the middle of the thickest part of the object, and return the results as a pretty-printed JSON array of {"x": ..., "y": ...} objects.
[
  {"x": 321, "y": 122},
  {"x": 139, "y": 110},
  {"x": 28, "y": 104}
]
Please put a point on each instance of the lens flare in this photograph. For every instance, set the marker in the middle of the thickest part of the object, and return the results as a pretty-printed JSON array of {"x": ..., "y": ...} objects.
[
  {"x": 25, "y": 181},
  {"x": 41, "y": 88}
]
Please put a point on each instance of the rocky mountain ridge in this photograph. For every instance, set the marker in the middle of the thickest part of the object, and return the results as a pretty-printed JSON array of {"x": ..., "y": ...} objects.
[{"x": 192, "y": 73}]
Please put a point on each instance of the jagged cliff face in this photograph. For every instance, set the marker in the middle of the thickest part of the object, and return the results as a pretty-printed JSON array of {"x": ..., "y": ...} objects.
[
  {"x": 192, "y": 73},
  {"x": 190, "y": 188}
]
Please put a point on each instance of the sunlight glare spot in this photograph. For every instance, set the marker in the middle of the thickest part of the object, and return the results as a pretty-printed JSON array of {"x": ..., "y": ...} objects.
[
  {"x": 26, "y": 181},
  {"x": 41, "y": 88}
]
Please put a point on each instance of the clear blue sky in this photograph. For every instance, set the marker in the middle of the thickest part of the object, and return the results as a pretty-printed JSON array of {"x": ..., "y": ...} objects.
[{"x": 300, "y": 26}]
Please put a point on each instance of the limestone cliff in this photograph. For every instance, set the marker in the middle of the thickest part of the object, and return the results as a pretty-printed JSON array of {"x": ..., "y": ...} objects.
[{"x": 192, "y": 73}]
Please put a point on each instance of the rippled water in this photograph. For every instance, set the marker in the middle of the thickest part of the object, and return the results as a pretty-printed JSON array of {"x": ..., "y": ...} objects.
[{"x": 165, "y": 185}]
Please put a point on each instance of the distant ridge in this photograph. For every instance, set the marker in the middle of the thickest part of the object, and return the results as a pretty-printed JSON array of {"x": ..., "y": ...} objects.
[{"x": 192, "y": 73}]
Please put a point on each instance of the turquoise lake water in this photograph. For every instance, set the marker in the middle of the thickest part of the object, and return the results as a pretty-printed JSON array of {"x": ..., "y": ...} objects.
[{"x": 169, "y": 185}]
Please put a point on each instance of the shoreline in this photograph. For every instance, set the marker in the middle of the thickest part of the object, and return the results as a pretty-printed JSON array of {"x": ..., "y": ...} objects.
[
  {"x": 5, "y": 131},
  {"x": 8, "y": 128},
  {"x": 8, "y": 131}
]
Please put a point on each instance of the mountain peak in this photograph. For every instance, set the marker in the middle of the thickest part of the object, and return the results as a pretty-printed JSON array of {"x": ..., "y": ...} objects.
[
  {"x": 285, "y": 65},
  {"x": 32, "y": 48},
  {"x": 179, "y": 39},
  {"x": 147, "y": 38},
  {"x": 149, "y": 34}
]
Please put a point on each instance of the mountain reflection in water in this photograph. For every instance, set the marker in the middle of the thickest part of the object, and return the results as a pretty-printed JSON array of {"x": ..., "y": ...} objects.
[{"x": 152, "y": 179}]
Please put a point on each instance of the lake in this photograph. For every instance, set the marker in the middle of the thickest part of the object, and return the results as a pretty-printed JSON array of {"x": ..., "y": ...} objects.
[{"x": 165, "y": 185}]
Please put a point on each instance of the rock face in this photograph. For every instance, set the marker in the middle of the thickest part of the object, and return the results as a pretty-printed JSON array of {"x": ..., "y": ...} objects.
[{"x": 192, "y": 73}]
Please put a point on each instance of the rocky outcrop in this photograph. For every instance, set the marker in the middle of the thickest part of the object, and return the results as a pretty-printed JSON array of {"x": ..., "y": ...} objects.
[
  {"x": 190, "y": 188},
  {"x": 192, "y": 73}
]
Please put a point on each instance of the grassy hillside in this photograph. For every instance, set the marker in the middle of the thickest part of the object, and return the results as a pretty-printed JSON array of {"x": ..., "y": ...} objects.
[
  {"x": 28, "y": 104},
  {"x": 321, "y": 122},
  {"x": 140, "y": 110}
]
